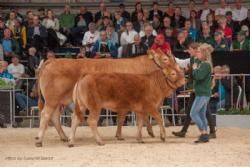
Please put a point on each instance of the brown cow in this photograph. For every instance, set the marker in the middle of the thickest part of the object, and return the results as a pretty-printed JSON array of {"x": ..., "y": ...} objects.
[
  {"x": 119, "y": 92},
  {"x": 58, "y": 77}
]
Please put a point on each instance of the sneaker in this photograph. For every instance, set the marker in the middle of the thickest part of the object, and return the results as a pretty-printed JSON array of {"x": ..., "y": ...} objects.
[
  {"x": 212, "y": 135},
  {"x": 204, "y": 138},
  {"x": 179, "y": 134}
]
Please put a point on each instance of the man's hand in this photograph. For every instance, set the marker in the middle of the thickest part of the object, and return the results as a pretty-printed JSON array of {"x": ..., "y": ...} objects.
[{"x": 195, "y": 66}]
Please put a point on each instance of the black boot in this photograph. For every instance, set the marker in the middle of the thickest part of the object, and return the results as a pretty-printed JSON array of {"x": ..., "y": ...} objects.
[
  {"x": 204, "y": 138},
  {"x": 179, "y": 134},
  {"x": 212, "y": 135}
]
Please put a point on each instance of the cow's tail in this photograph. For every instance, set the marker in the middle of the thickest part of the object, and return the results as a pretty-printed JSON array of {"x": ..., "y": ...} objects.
[
  {"x": 41, "y": 100},
  {"x": 79, "y": 113}
]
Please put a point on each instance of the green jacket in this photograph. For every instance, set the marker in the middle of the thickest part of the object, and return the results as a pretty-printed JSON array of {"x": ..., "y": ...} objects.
[
  {"x": 67, "y": 20},
  {"x": 202, "y": 79},
  {"x": 223, "y": 46},
  {"x": 208, "y": 40},
  {"x": 245, "y": 45}
]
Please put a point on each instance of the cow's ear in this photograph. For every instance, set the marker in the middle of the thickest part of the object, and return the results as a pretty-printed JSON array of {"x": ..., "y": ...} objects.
[{"x": 150, "y": 54}]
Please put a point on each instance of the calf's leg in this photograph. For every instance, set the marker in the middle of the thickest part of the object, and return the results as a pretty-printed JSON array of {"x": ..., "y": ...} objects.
[
  {"x": 140, "y": 120},
  {"x": 75, "y": 122},
  {"x": 149, "y": 127},
  {"x": 120, "y": 120}
]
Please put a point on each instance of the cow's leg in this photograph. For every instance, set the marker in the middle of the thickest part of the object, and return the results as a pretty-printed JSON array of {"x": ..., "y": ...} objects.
[
  {"x": 56, "y": 121},
  {"x": 120, "y": 121},
  {"x": 45, "y": 117},
  {"x": 149, "y": 127},
  {"x": 92, "y": 121},
  {"x": 157, "y": 116},
  {"x": 140, "y": 120},
  {"x": 75, "y": 122}
]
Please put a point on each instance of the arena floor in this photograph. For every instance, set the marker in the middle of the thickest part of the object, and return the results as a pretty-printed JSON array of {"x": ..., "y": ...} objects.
[{"x": 230, "y": 149}]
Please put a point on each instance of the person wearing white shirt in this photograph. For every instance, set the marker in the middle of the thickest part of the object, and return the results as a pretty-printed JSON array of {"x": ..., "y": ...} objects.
[
  {"x": 223, "y": 9},
  {"x": 205, "y": 11},
  {"x": 127, "y": 37},
  {"x": 91, "y": 36},
  {"x": 239, "y": 13},
  {"x": 15, "y": 68}
]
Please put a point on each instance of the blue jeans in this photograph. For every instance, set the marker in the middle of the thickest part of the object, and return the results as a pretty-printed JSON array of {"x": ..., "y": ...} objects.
[
  {"x": 21, "y": 100},
  {"x": 198, "y": 111}
]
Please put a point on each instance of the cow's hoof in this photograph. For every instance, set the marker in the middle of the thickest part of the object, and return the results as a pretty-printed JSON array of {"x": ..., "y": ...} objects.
[
  {"x": 70, "y": 145},
  {"x": 151, "y": 134},
  {"x": 100, "y": 143},
  {"x": 65, "y": 139},
  {"x": 120, "y": 138},
  {"x": 39, "y": 144},
  {"x": 140, "y": 141},
  {"x": 163, "y": 139},
  {"x": 37, "y": 138}
]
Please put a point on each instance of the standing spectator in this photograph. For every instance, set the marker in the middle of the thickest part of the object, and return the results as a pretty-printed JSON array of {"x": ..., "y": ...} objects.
[
  {"x": 206, "y": 36},
  {"x": 51, "y": 23},
  {"x": 134, "y": 49},
  {"x": 178, "y": 20},
  {"x": 187, "y": 11},
  {"x": 119, "y": 22},
  {"x": 104, "y": 48},
  {"x": 247, "y": 20},
  {"x": 41, "y": 14},
  {"x": 234, "y": 25},
  {"x": 37, "y": 34},
  {"x": 33, "y": 61},
  {"x": 155, "y": 11},
  {"x": 205, "y": 11},
  {"x": 127, "y": 36},
  {"x": 139, "y": 23},
  {"x": 67, "y": 21},
  {"x": 219, "y": 42},
  {"x": 169, "y": 10},
  {"x": 10, "y": 45},
  {"x": 148, "y": 38},
  {"x": 125, "y": 14},
  {"x": 195, "y": 21},
  {"x": 241, "y": 43},
  {"x": 138, "y": 9},
  {"x": 223, "y": 9},
  {"x": 102, "y": 12},
  {"x": 91, "y": 36},
  {"x": 112, "y": 35},
  {"x": 240, "y": 12},
  {"x": 161, "y": 43}
]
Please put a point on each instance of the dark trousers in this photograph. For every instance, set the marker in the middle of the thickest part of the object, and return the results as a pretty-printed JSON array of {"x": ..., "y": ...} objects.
[{"x": 188, "y": 118}]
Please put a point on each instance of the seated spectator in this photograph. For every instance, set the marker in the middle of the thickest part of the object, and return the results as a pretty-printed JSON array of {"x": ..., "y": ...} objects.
[
  {"x": 112, "y": 35},
  {"x": 90, "y": 37},
  {"x": 191, "y": 7},
  {"x": 37, "y": 34},
  {"x": 241, "y": 43},
  {"x": 103, "y": 23},
  {"x": 139, "y": 23},
  {"x": 10, "y": 45},
  {"x": 83, "y": 18},
  {"x": 205, "y": 11},
  {"x": 195, "y": 22},
  {"x": 127, "y": 37},
  {"x": 16, "y": 68},
  {"x": 212, "y": 23},
  {"x": 10, "y": 23},
  {"x": 50, "y": 55},
  {"x": 33, "y": 61},
  {"x": 192, "y": 32},
  {"x": 51, "y": 23},
  {"x": 66, "y": 21},
  {"x": 182, "y": 42},
  {"x": 227, "y": 31},
  {"x": 234, "y": 25},
  {"x": 28, "y": 22},
  {"x": 2, "y": 28},
  {"x": 119, "y": 22},
  {"x": 167, "y": 25},
  {"x": 41, "y": 14},
  {"x": 1, "y": 52},
  {"x": 219, "y": 42},
  {"x": 156, "y": 23},
  {"x": 134, "y": 49},
  {"x": 161, "y": 43},
  {"x": 169, "y": 37},
  {"x": 20, "y": 34},
  {"x": 178, "y": 20},
  {"x": 124, "y": 14},
  {"x": 148, "y": 38},
  {"x": 247, "y": 20},
  {"x": 19, "y": 16},
  {"x": 82, "y": 54},
  {"x": 155, "y": 11},
  {"x": 169, "y": 12},
  {"x": 239, "y": 12},
  {"x": 138, "y": 9},
  {"x": 223, "y": 9},
  {"x": 103, "y": 11},
  {"x": 246, "y": 30},
  {"x": 205, "y": 36},
  {"x": 104, "y": 48}
]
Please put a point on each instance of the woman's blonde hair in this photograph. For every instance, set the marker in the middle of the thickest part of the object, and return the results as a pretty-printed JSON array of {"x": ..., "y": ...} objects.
[{"x": 207, "y": 50}]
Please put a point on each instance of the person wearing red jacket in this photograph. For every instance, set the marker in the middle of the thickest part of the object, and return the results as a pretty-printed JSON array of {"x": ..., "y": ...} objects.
[{"x": 161, "y": 43}]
